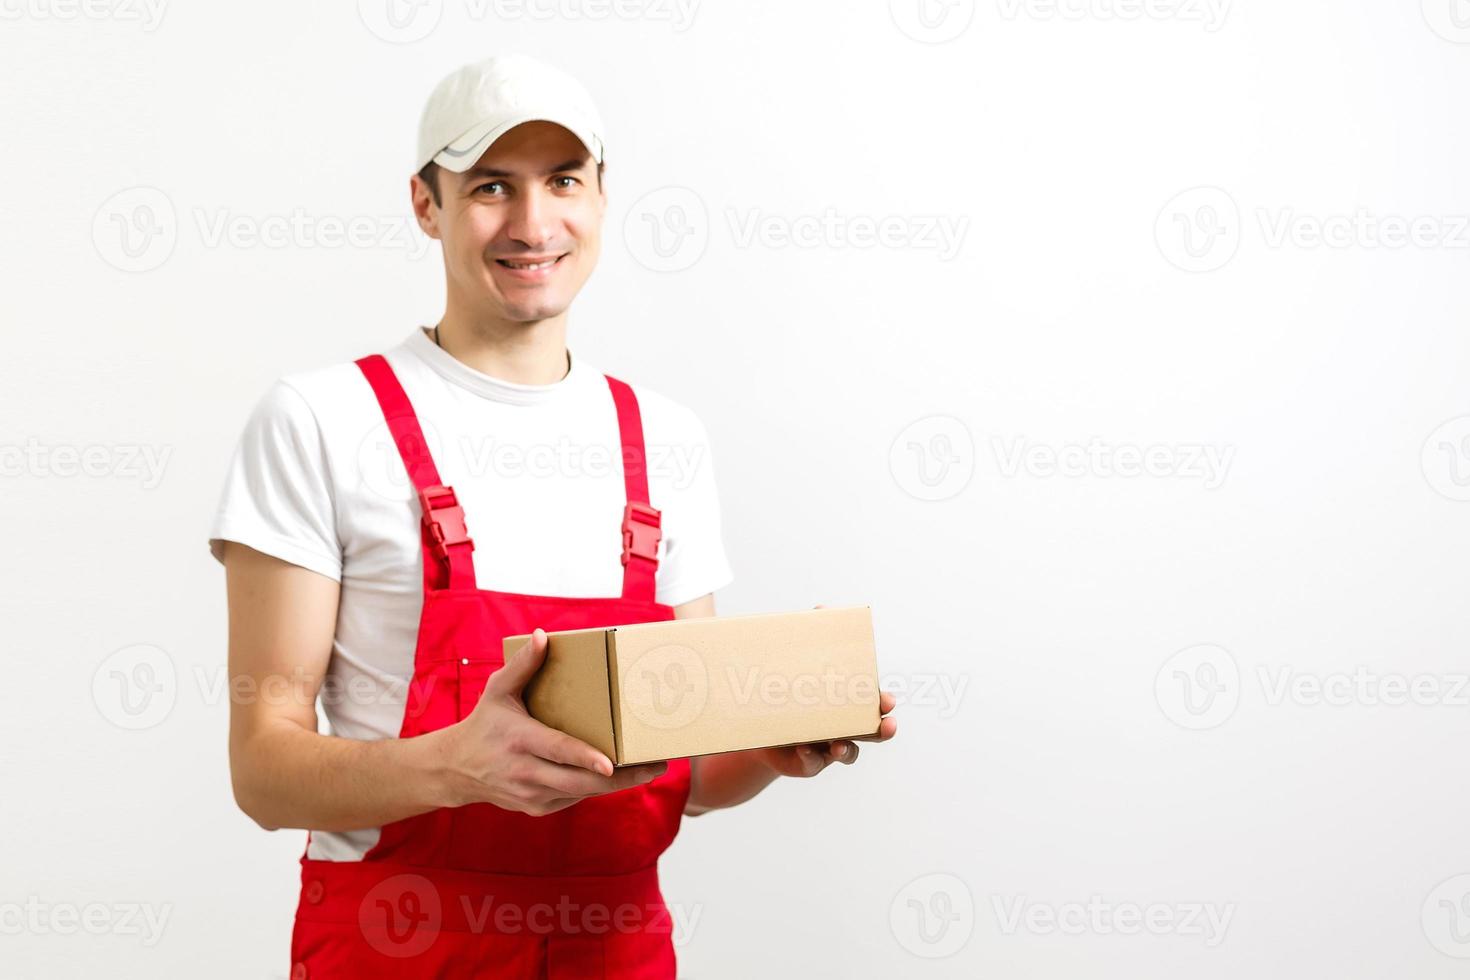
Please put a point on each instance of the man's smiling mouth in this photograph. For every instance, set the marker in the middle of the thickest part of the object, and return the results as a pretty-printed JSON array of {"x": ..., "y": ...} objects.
[{"x": 530, "y": 264}]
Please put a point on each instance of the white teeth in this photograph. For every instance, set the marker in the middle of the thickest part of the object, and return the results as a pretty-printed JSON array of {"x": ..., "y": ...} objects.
[{"x": 530, "y": 265}]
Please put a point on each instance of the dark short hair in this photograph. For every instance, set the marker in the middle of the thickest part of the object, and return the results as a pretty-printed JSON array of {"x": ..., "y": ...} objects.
[{"x": 430, "y": 176}]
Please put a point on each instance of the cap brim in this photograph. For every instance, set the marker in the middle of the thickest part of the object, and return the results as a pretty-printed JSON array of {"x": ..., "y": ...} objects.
[{"x": 462, "y": 153}]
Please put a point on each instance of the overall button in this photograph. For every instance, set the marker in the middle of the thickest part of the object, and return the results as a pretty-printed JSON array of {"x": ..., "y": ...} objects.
[
  {"x": 298, "y": 972},
  {"x": 314, "y": 892}
]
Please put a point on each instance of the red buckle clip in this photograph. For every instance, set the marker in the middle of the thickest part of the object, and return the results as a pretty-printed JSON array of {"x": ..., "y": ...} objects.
[
  {"x": 444, "y": 518},
  {"x": 642, "y": 529}
]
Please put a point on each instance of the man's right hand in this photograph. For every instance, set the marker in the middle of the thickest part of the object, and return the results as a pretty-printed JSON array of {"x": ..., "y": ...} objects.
[{"x": 499, "y": 754}]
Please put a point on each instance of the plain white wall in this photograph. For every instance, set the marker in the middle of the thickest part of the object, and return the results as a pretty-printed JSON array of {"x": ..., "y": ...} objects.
[{"x": 1206, "y": 720}]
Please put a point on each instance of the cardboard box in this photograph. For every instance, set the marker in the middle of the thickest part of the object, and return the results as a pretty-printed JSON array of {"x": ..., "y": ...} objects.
[{"x": 653, "y": 691}]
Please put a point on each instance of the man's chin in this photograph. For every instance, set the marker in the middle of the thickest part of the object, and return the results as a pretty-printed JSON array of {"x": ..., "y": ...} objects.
[
  {"x": 518, "y": 303},
  {"x": 527, "y": 311}
]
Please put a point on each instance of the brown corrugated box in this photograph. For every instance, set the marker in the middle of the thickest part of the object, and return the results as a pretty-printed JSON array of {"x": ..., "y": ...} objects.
[{"x": 653, "y": 691}]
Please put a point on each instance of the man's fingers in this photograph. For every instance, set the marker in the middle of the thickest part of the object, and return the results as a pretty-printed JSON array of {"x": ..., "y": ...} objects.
[
  {"x": 887, "y": 728},
  {"x": 545, "y": 742},
  {"x": 519, "y": 668},
  {"x": 811, "y": 758},
  {"x": 552, "y": 806},
  {"x": 570, "y": 781},
  {"x": 644, "y": 773}
]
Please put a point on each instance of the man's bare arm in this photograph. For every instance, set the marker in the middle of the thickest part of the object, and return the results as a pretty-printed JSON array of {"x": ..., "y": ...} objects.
[
  {"x": 718, "y": 781},
  {"x": 286, "y": 774}
]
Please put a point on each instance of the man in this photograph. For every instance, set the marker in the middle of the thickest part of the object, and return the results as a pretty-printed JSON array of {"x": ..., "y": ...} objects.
[{"x": 378, "y": 546}]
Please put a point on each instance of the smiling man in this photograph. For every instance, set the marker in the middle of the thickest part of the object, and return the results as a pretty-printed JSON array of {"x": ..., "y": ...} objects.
[{"x": 382, "y": 533}]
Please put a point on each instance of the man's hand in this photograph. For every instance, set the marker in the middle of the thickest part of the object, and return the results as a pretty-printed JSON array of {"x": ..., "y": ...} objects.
[
  {"x": 499, "y": 754},
  {"x": 813, "y": 757},
  {"x": 729, "y": 779}
]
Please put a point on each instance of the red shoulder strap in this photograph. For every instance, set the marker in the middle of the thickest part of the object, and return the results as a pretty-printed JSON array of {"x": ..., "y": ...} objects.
[
  {"x": 446, "y": 541},
  {"x": 448, "y": 562},
  {"x": 642, "y": 524}
]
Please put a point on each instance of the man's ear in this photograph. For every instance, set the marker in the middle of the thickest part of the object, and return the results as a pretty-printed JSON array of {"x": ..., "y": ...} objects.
[{"x": 425, "y": 211}]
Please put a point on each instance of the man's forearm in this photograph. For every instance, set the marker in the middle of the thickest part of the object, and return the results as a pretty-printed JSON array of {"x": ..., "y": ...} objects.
[
  {"x": 725, "y": 780},
  {"x": 287, "y": 776}
]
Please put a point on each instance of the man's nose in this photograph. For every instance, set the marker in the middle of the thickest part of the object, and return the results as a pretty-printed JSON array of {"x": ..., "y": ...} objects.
[{"x": 530, "y": 219}]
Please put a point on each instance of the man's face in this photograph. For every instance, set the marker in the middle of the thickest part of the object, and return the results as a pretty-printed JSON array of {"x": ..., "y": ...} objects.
[{"x": 522, "y": 228}]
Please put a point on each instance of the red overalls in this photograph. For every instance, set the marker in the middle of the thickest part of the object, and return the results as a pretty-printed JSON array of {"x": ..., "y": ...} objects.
[{"x": 477, "y": 891}]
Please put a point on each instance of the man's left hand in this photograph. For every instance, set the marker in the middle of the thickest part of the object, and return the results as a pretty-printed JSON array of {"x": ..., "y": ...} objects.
[{"x": 811, "y": 758}]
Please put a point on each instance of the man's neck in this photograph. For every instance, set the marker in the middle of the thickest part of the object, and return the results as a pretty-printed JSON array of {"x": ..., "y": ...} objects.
[{"x": 527, "y": 353}]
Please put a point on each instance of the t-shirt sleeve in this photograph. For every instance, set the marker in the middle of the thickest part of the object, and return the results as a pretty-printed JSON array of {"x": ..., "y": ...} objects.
[
  {"x": 277, "y": 496},
  {"x": 694, "y": 562}
]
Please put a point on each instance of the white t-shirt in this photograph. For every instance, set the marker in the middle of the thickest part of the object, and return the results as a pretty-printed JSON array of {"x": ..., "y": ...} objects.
[{"x": 317, "y": 481}]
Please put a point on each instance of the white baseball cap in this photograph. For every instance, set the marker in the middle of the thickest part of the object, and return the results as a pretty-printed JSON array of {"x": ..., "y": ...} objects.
[{"x": 476, "y": 104}]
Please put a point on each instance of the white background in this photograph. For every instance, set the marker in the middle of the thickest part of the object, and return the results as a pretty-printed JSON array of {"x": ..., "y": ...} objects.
[{"x": 1094, "y": 661}]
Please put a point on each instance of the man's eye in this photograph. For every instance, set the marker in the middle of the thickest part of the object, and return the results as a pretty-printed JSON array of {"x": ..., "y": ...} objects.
[
  {"x": 493, "y": 183},
  {"x": 570, "y": 181}
]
